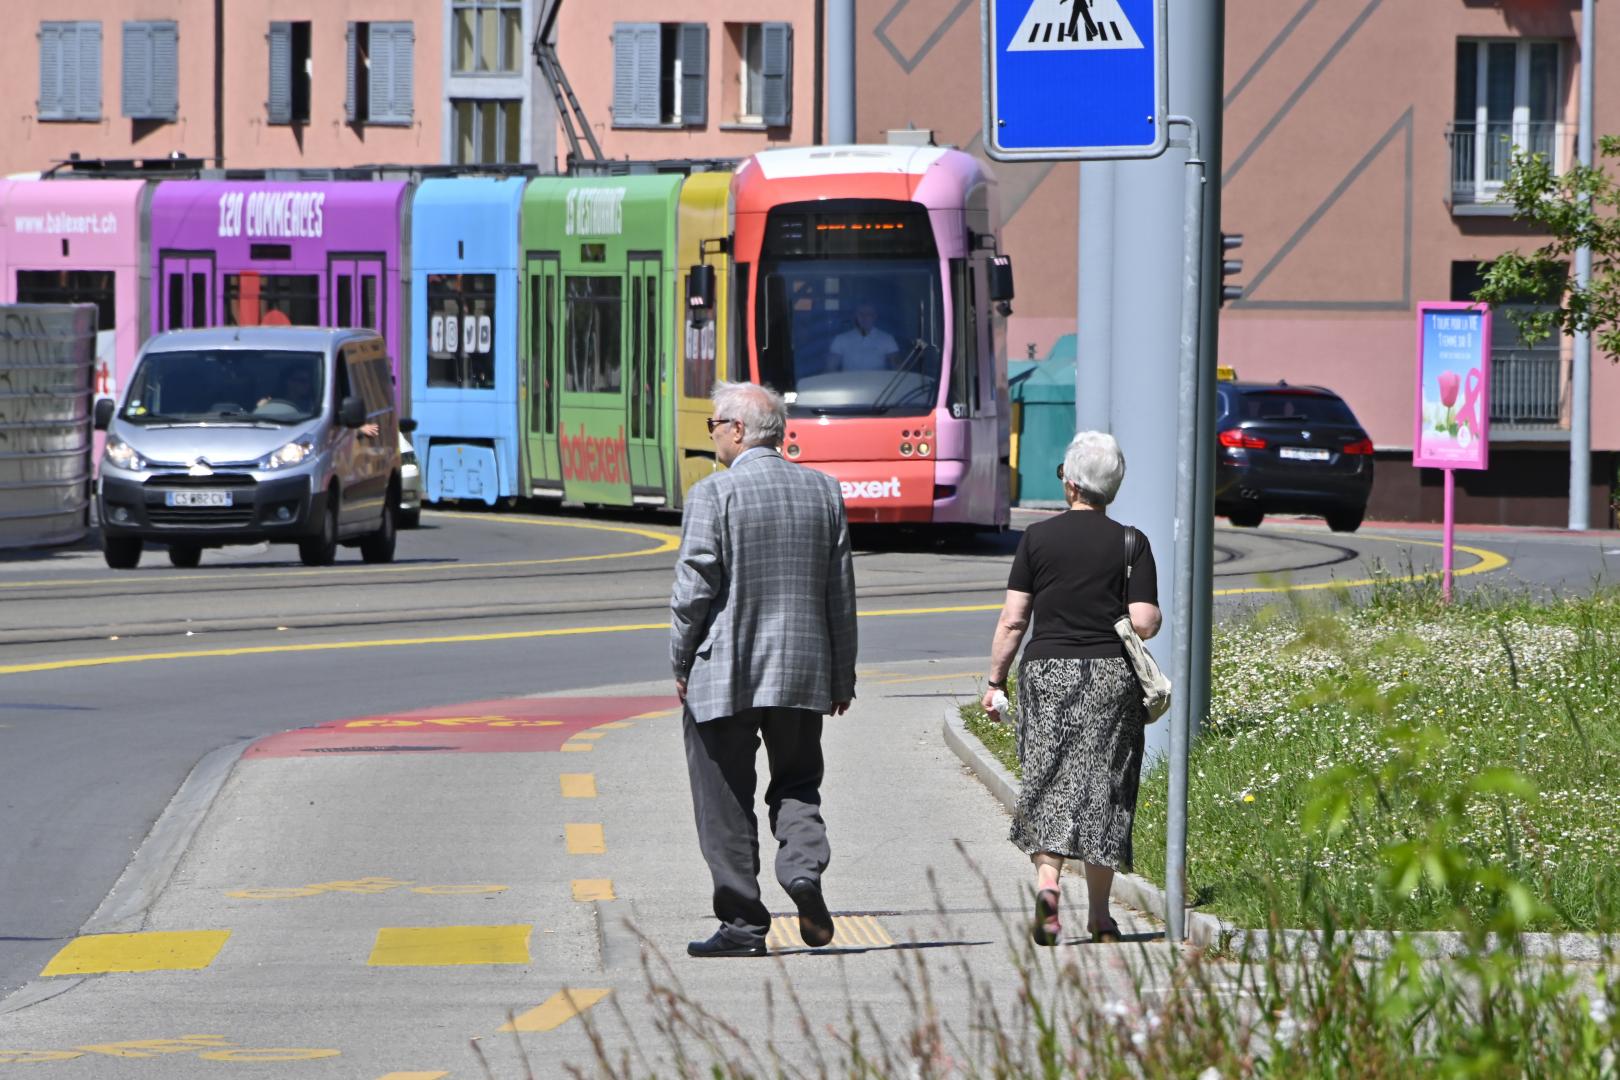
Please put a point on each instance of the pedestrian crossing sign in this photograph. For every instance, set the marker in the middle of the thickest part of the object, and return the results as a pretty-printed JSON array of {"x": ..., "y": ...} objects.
[{"x": 1074, "y": 79}]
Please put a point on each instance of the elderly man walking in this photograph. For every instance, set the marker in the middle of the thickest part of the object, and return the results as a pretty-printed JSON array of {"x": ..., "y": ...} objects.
[{"x": 763, "y": 644}]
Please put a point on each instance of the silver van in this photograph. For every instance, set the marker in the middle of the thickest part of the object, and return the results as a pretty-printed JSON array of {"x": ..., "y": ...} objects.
[{"x": 239, "y": 435}]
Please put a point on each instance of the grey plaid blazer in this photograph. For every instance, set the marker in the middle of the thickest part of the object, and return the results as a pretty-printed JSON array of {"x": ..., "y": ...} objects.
[{"x": 763, "y": 610}]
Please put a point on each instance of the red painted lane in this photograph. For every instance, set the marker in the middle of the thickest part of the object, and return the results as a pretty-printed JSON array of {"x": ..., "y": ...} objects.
[{"x": 512, "y": 725}]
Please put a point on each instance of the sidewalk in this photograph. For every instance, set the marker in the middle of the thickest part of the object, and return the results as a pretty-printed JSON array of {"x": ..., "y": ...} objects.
[{"x": 371, "y": 899}]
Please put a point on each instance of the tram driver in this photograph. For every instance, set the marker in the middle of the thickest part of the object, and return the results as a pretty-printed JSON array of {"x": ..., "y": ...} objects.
[{"x": 865, "y": 346}]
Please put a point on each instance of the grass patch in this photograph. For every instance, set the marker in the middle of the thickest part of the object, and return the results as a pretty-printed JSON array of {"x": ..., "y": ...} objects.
[{"x": 1352, "y": 750}]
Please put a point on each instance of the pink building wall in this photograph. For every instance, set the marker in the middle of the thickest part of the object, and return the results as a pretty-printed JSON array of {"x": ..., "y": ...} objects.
[
  {"x": 29, "y": 144},
  {"x": 585, "y": 46}
]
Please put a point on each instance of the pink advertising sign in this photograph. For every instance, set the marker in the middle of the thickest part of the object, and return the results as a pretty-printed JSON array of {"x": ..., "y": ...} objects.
[{"x": 1451, "y": 403}]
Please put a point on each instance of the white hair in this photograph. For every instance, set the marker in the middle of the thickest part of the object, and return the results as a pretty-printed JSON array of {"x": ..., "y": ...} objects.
[
  {"x": 1095, "y": 466},
  {"x": 762, "y": 411}
]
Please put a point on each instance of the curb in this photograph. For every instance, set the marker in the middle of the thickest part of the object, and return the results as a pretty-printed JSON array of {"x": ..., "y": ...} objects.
[
  {"x": 149, "y": 871},
  {"x": 1212, "y": 932}
]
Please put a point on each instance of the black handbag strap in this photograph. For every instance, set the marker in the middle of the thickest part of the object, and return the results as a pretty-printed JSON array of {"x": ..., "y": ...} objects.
[{"x": 1125, "y": 579}]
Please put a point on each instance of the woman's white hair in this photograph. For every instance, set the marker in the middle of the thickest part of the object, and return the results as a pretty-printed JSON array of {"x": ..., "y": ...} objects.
[
  {"x": 1095, "y": 466},
  {"x": 762, "y": 411}
]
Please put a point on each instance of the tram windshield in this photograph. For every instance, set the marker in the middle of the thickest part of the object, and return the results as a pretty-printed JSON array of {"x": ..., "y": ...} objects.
[
  {"x": 244, "y": 386},
  {"x": 851, "y": 313}
]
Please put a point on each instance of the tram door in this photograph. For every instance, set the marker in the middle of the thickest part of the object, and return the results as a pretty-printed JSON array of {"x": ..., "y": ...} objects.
[
  {"x": 542, "y": 373},
  {"x": 188, "y": 290},
  {"x": 354, "y": 291},
  {"x": 644, "y": 380}
]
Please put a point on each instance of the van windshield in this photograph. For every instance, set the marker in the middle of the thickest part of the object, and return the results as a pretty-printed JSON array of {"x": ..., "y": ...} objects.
[{"x": 277, "y": 386}]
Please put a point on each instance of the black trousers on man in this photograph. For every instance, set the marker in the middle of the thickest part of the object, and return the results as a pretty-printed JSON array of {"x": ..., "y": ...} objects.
[{"x": 720, "y": 758}]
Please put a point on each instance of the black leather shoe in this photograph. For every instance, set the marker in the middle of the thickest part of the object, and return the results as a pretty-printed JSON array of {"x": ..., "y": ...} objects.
[
  {"x": 815, "y": 924},
  {"x": 720, "y": 945}
]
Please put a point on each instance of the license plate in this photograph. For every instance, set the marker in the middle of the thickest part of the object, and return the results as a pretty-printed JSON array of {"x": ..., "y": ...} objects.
[
  {"x": 1298, "y": 453},
  {"x": 198, "y": 498}
]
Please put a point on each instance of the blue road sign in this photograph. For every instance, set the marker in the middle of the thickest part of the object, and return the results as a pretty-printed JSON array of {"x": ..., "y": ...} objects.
[{"x": 1074, "y": 79}]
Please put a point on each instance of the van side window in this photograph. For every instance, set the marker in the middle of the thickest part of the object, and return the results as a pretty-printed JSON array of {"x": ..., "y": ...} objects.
[{"x": 341, "y": 378}]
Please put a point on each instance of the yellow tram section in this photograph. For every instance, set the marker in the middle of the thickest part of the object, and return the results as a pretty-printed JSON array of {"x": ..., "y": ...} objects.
[{"x": 702, "y": 353}]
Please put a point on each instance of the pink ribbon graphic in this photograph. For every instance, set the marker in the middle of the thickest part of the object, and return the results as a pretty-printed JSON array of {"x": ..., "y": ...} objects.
[{"x": 1468, "y": 414}]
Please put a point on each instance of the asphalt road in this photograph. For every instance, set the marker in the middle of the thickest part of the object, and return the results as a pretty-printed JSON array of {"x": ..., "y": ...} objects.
[{"x": 113, "y": 685}]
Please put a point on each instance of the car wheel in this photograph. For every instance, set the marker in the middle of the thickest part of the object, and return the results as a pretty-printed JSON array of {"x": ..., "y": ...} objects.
[
  {"x": 1247, "y": 518},
  {"x": 379, "y": 546},
  {"x": 185, "y": 556},
  {"x": 410, "y": 519},
  {"x": 321, "y": 550},
  {"x": 121, "y": 553},
  {"x": 1346, "y": 520}
]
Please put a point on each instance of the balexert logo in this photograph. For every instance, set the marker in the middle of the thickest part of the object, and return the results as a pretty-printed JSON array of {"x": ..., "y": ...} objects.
[
  {"x": 594, "y": 460},
  {"x": 870, "y": 489}
]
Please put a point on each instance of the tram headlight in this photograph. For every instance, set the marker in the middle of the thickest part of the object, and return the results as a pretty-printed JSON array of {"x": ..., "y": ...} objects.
[
  {"x": 905, "y": 449},
  {"x": 294, "y": 453},
  {"x": 922, "y": 449},
  {"x": 123, "y": 455}
]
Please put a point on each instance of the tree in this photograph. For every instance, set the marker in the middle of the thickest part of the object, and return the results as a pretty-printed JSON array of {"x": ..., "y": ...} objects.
[{"x": 1580, "y": 207}]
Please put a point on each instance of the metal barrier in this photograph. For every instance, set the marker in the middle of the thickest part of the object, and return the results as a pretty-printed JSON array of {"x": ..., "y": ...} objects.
[
  {"x": 1527, "y": 387},
  {"x": 47, "y": 368}
]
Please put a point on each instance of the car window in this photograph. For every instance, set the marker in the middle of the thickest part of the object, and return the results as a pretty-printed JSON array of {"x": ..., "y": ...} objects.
[{"x": 1296, "y": 406}]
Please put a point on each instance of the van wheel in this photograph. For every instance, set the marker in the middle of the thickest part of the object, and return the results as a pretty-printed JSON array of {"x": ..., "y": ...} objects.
[
  {"x": 121, "y": 552},
  {"x": 321, "y": 550},
  {"x": 379, "y": 546},
  {"x": 410, "y": 519},
  {"x": 1347, "y": 520},
  {"x": 1247, "y": 519},
  {"x": 185, "y": 556}
]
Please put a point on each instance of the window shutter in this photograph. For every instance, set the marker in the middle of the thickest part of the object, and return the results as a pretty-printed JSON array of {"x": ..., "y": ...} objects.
[
  {"x": 649, "y": 54},
  {"x": 89, "y": 46},
  {"x": 379, "y": 84},
  {"x": 137, "y": 75},
  {"x": 635, "y": 94},
  {"x": 279, "y": 103},
  {"x": 166, "y": 71},
  {"x": 694, "y": 52},
  {"x": 50, "y": 72},
  {"x": 404, "y": 99},
  {"x": 351, "y": 62},
  {"x": 68, "y": 72},
  {"x": 776, "y": 69}
]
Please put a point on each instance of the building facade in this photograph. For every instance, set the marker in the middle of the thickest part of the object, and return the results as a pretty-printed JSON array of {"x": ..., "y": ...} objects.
[{"x": 311, "y": 83}]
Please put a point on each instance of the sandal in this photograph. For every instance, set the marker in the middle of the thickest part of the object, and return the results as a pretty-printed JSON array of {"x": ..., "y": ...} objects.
[
  {"x": 1106, "y": 933},
  {"x": 1046, "y": 929}
]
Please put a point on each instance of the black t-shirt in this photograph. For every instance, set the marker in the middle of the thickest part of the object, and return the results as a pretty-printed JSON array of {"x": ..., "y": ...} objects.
[{"x": 1073, "y": 564}]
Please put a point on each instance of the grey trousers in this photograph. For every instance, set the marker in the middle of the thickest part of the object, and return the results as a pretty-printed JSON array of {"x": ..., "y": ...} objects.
[{"x": 720, "y": 759}]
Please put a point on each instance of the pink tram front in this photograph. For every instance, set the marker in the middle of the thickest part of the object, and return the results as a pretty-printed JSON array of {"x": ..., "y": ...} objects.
[{"x": 866, "y": 275}]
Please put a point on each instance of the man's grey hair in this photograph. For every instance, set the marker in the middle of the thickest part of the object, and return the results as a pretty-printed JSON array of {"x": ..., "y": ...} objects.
[
  {"x": 762, "y": 411},
  {"x": 1095, "y": 466}
]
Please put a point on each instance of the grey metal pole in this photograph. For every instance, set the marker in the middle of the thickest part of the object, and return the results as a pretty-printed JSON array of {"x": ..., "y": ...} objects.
[
  {"x": 1192, "y": 266},
  {"x": 1580, "y": 405},
  {"x": 1094, "y": 345},
  {"x": 840, "y": 71}
]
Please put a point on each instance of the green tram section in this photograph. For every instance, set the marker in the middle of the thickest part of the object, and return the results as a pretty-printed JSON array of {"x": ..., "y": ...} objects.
[{"x": 601, "y": 331}]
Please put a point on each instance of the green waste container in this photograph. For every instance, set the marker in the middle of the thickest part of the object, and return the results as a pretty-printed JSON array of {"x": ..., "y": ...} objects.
[{"x": 1043, "y": 398}]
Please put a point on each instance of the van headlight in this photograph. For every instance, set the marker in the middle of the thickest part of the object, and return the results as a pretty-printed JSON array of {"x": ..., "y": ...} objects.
[
  {"x": 294, "y": 453},
  {"x": 123, "y": 455}
]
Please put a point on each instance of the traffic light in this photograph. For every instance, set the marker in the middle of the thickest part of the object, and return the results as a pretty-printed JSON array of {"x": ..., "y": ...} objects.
[{"x": 1229, "y": 267}]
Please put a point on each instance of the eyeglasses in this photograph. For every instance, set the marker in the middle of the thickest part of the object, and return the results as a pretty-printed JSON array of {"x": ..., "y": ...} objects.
[
  {"x": 1060, "y": 472},
  {"x": 716, "y": 421}
]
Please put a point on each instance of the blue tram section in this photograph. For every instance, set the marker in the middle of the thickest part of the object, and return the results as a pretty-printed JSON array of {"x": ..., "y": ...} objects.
[{"x": 464, "y": 347}]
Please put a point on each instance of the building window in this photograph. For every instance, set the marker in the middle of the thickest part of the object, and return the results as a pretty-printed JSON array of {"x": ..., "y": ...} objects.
[
  {"x": 151, "y": 86},
  {"x": 593, "y": 312},
  {"x": 1508, "y": 98},
  {"x": 69, "y": 71},
  {"x": 460, "y": 330},
  {"x": 487, "y": 131},
  {"x": 763, "y": 55},
  {"x": 379, "y": 73},
  {"x": 660, "y": 74},
  {"x": 488, "y": 36},
  {"x": 1527, "y": 381},
  {"x": 288, "y": 102}
]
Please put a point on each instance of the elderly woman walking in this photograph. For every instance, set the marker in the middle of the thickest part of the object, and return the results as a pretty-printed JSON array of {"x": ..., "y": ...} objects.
[{"x": 1080, "y": 713}]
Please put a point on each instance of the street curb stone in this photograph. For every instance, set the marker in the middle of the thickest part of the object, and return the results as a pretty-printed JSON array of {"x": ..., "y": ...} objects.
[{"x": 1211, "y": 932}]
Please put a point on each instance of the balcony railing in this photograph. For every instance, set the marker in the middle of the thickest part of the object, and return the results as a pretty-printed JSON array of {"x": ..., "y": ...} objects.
[
  {"x": 1482, "y": 155},
  {"x": 1527, "y": 387}
]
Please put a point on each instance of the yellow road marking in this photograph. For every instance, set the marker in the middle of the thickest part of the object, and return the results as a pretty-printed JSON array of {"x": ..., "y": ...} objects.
[
  {"x": 268, "y": 1053},
  {"x": 557, "y": 1010},
  {"x": 615, "y": 725},
  {"x": 1488, "y": 561},
  {"x": 578, "y": 785},
  {"x": 849, "y": 931},
  {"x": 153, "y": 950},
  {"x": 588, "y": 735},
  {"x": 148, "y": 1048},
  {"x": 593, "y": 889},
  {"x": 658, "y": 715},
  {"x": 443, "y": 946},
  {"x": 667, "y": 541},
  {"x": 585, "y": 839},
  {"x": 577, "y": 747}
]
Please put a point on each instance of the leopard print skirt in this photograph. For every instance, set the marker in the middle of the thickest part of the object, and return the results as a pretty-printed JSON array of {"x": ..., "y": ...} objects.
[{"x": 1080, "y": 746}]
